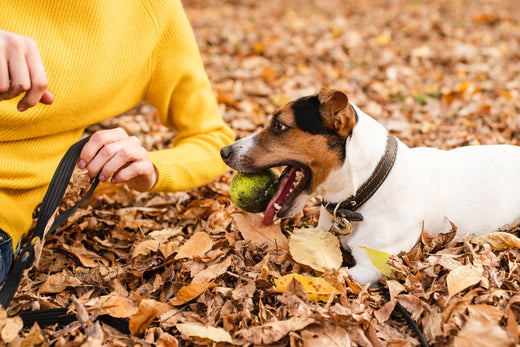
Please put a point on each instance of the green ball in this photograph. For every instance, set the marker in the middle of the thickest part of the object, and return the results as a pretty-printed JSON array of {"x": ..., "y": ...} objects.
[{"x": 253, "y": 191}]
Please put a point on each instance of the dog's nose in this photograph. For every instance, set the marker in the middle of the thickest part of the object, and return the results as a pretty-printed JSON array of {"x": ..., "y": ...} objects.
[{"x": 225, "y": 152}]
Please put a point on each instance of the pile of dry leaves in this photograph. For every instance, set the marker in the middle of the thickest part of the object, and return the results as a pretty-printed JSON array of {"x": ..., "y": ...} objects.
[{"x": 190, "y": 268}]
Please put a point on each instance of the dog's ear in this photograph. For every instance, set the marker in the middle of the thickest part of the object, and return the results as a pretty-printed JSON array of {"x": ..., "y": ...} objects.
[{"x": 336, "y": 112}]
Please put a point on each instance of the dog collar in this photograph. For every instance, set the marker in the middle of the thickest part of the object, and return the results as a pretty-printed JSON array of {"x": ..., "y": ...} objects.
[{"x": 344, "y": 212}]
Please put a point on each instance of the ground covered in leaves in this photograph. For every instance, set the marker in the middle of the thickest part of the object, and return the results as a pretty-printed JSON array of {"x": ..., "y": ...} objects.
[{"x": 190, "y": 268}]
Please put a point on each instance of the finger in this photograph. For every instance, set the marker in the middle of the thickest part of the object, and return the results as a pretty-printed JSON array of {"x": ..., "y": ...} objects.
[
  {"x": 96, "y": 142},
  {"x": 38, "y": 77},
  {"x": 18, "y": 70},
  {"x": 4, "y": 73},
  {"x": 47, "y": 97},
  {"x": 140, "y": 176},
  {"x": 129, "y": 152}
]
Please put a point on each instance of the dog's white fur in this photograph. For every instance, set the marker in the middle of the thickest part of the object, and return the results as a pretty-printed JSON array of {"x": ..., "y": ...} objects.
[{"x": 475, "y": 187}]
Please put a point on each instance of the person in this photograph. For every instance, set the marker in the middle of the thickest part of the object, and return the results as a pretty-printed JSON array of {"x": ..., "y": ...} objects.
[{"x": 66, "y": 65}]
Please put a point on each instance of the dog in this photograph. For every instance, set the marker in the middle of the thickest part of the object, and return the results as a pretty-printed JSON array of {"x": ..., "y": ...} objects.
[{"x": 376, "y": 191}]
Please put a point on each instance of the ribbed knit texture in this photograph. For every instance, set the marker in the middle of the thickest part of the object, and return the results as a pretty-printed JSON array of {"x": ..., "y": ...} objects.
[{"x": 103, "y": 57}]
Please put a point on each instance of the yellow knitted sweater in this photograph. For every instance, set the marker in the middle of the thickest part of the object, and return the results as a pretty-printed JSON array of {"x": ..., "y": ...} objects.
[{"x": 103, "y": 57}]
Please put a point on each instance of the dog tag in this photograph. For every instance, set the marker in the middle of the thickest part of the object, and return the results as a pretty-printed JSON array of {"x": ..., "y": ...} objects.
[{"x": 340, "y": 226}]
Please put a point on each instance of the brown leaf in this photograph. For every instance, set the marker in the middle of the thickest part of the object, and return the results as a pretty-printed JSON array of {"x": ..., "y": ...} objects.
[
  {"x": 196, "y": 246},
  {"x": 463, "y": 277},
  {"x": 477, "y": 333},
  {"x": 148, "y": 310},
  {"x": 212, "y": 271},
  {"x": 86, "y": 257},
  {"x": 58, "y": 282},
  {"x": 11, "y": 329},
  {"x": 190, "y": 292},
  {"x": 274, "y": 331},
  {"x": 483, "y": 312},
  {"x": 327, "y": 335},
  {"x": 498, "y": 240},
  {"x": 113, "y": 305},
  {"x": 252, "y": 229}
]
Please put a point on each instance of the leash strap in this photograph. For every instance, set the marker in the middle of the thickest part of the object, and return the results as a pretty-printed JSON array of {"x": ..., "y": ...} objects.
[
  {"x": 346, "y": 208},
  {"x": 51, "y": 201}
]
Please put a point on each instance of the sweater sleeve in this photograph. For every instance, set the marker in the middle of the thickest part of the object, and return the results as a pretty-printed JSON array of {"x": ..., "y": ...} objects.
[{"x": 181, "y": 92}]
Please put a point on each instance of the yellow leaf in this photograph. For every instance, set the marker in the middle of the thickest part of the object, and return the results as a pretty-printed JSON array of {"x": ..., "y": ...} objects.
[
  {"x": 463, "y": 86},
  {"x": 379, "y": 259},
  {"x": 259, "y": 48},
  {"x": 384, "y": 38},
  {"x": 498, "y": 240},
  {"x": 316, "y": 248},
  {"x": 462, "y": 277},
  {"x": 204, "y": 332},
  {"x": 315, "y": 287}
]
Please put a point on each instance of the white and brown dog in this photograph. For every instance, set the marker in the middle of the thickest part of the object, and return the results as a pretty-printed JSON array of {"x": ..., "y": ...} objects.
[{"x": 377, "y": 191}]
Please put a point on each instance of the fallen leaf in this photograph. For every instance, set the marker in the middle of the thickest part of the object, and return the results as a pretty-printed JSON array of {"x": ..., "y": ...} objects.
[
  {"x": 379, "y": 259},
  {"x": 112, "y": 305},
  {"x": 498, "y": 240},
  {"x": 485, "y": 312},
  {"x": 478, "y": 333},
  {"x": 204, "y": 332},
  {"x": 58, "y": 282},
  {"x": 11, "y": 329},
  {"x": 316, "y": 248},
  {"x": 271, "y": 332},
  {"x": 190, "y": 292},
  {"x": 461, "y": 278},
  {"x": 327, "y": 335},
  {"x": 384, "y": 38},
  {"x": 196, "y": 246},
  {"x": 212, "y": 271},
  {"x": 316, "y": 288},
  {"x": 252, "y": 228},
  {"x": 146, "y": 247},
  {"x": 86, "y": 257},
  {"x": 148, "y": 310}
]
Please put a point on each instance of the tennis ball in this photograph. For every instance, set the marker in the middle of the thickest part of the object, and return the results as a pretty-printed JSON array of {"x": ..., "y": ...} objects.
[{"x": 253, "y": 191}]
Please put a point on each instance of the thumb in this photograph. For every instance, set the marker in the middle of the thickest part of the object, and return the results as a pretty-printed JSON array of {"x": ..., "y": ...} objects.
[{"x": 47, "y": 97}]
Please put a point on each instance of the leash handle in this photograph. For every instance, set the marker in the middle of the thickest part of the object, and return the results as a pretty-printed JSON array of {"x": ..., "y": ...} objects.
[{"x": 51, "y": 201}]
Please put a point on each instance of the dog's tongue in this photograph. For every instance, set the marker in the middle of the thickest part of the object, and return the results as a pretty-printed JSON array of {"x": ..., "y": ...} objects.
[{"x": 284, "y": 186}]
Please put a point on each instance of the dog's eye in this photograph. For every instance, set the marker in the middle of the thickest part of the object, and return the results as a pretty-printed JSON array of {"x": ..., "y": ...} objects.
[{"x": 278, "y": 127}]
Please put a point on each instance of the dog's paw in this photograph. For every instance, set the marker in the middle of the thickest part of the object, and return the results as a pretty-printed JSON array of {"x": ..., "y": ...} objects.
[{"x": 365, "y": 274}]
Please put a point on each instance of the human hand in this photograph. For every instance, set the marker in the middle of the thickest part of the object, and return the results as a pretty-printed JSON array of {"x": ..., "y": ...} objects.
[
  {"x": 22, "y": 71},
  {"x": 115, "y": 156}
]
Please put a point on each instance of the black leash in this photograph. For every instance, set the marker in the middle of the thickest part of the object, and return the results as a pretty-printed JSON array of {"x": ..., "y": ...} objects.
[
  {"x": 51, "y": 201},
  {"x": 408, "y": 318}
]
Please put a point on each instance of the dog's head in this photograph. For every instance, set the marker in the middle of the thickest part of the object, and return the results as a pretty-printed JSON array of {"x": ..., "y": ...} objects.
[{"x": 308, "y": 137}]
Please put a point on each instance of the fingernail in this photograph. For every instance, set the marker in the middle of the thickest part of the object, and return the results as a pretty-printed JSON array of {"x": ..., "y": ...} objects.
[
  {"x": 82, "y": 164},
  {"x": 113, "y": 180},
  {"x": 21, "y": 108},
  {"x": 102, "y": 178}
]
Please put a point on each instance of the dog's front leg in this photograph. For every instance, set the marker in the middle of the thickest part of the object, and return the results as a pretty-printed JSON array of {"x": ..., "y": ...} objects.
[{"x": 364, "y": 272}]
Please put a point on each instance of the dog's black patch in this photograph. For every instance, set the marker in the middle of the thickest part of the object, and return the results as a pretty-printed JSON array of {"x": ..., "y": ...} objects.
[{"x": 307, "y": 117}]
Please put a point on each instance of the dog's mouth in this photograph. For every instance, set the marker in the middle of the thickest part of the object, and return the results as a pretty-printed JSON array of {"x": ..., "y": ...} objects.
[{"x": 293, "y": 181}]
